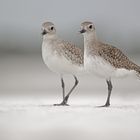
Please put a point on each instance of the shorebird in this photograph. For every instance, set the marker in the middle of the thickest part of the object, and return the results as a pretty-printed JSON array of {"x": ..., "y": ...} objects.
[
  {"x": 105, "y": 60},
  {"x": 61, "y": 57}
]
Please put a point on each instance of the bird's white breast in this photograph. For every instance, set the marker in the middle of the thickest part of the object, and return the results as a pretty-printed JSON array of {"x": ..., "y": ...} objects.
[{"x": 58, "y": 63}]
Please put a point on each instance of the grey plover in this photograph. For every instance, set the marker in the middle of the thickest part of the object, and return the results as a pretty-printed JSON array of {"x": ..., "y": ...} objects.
[
  {"x": 61, "y": 57},
  {"x": 105, "y": 60}
]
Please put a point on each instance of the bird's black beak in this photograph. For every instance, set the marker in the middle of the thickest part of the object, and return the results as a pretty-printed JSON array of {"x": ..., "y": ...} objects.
[
  {"x": 82, "y": 31},
  {"x": 44, "y": 32}
]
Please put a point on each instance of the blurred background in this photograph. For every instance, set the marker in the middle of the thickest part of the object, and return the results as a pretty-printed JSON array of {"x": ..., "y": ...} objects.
[
  {"x": 25, "y": 80},
  {"x": 21, "y": 65},
  {"x": 117, "y": 22}
]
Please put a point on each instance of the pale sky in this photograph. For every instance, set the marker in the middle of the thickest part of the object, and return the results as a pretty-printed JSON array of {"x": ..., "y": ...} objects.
[{"x": 117, "y": 22}]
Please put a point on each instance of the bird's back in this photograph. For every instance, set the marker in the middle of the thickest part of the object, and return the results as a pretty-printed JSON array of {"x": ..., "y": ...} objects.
[
  {"x": 72, "y": 53},
  {"x": 116, "y": 58}
]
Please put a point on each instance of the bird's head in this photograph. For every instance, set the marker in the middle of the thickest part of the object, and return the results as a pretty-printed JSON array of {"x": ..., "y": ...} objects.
[
  {"x": 87, "y": 28},
  {"x": 48, "y": 29}
]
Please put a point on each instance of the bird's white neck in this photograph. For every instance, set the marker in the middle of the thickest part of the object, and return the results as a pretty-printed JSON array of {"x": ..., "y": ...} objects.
[
  {"x": 90, "y": 42},
  {"x": 49, "y": 38},
  {"x": 49, "y": 42}
]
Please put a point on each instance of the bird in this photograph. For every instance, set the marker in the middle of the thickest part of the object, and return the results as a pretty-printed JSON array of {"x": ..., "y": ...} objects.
[
  {"x": 61, "y": 57},
  {"x": 105, "y": 60}
]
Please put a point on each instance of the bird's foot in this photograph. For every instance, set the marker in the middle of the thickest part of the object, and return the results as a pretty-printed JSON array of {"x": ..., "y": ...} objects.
[
  {"x": 61, "y": 104},
  {"x": 106, "y": 105}
]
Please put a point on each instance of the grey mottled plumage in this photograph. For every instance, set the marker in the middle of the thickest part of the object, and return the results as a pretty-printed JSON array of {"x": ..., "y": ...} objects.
[
  {"x": 61, "y": 57},
  {"x": 105, "y": 60},
  {"x": 116, "y": 58},
  {"x": 71, "y": 52}
]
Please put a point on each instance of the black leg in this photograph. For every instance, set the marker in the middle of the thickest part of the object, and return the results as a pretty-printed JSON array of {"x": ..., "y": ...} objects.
[
  {"x": 63, "y": 90},
  {"x": 63, "y": 87},
  {"x": 109, "y": 84},
  {"x": 67, "y": 97}
]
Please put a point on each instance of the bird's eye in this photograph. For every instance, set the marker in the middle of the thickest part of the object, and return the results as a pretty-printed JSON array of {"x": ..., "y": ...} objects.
[
  {"x": 90, "y": 27},
  {"x": 52, "y": 28}
]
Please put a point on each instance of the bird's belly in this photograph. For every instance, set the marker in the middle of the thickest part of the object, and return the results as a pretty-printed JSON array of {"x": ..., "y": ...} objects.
[
  {"x": 102, "y": 68},
  {"x": 98, "y": 66},
  {"x": 60, "y": 64},
  {"x": 124, "y": 73}
]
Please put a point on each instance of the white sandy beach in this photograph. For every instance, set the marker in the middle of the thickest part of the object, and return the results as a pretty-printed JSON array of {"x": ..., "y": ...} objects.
[{"x": 27, "y": 94}]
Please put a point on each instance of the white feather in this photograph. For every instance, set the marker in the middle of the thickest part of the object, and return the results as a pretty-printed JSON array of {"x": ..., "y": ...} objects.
[
  {"x": 57, "y": 63},
  {"x": 102, "y": 68}
]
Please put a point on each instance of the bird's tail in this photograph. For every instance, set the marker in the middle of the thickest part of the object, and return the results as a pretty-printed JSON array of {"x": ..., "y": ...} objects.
[
  {"x": 138, "y": 71},
  {"x": 136, "y": 68}
]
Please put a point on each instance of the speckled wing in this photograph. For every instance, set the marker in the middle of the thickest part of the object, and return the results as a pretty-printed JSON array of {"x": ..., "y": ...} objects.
[
  {"x": 116, "y": 58},
  {"x": 72, "y": 53}
]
